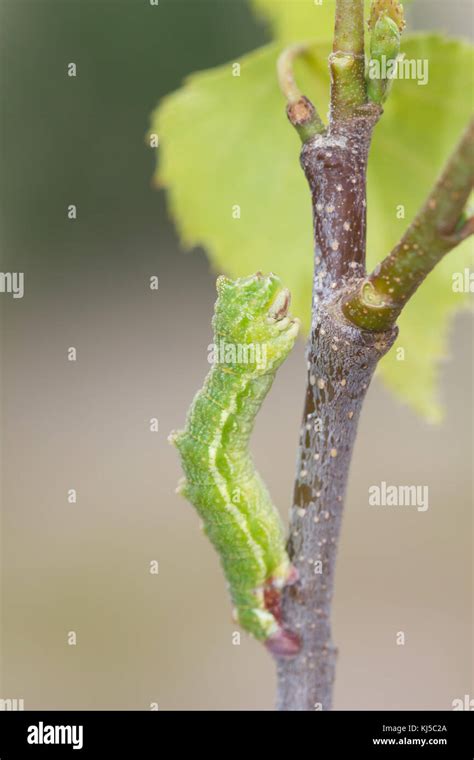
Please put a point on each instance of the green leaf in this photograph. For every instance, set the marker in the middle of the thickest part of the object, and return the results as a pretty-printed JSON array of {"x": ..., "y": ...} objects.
[
  {"x": 298, "y": 20},
  {"x": 419, "y": 129},
  {"x": 225, "y": 143}
]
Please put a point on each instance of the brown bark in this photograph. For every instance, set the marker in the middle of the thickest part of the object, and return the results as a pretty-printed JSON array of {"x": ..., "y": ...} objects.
[{"x": 341, "y": 360}]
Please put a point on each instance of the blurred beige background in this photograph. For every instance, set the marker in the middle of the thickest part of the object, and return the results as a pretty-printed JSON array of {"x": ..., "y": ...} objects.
[{"x": 84, "y": 567}]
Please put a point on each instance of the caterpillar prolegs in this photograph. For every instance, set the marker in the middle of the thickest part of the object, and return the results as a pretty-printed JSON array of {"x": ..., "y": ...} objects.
[{"x": 253, "y": 335}]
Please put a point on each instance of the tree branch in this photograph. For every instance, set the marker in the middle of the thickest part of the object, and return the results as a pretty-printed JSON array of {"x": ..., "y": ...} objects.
[
  {"x": 346, "y": 342},
  {"x": 341, "y": 360},
  {"x": 335, "y": 166},
  {"x": 437, "y": 229}
]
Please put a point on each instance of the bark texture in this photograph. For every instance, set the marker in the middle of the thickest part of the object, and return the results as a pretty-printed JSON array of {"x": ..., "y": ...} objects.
[{"x": 341, "y": 360}]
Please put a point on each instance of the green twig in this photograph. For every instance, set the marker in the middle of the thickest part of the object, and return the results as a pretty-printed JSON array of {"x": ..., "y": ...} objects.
[
  {"x": 349, "y": 27},
  {"x": 347, "y": 61},
  {"x": 300, "y": 111}
]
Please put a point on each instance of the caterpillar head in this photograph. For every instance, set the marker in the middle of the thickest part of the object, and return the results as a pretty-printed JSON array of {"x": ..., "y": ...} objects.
[{"x": 251, "y": 318}]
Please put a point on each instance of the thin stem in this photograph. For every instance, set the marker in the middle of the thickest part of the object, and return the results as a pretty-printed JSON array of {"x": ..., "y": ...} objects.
[
  {"x": 300, "y": 111},
  {"x": 437, "y": 229},
  {"x": 349, "y": 27},
  {"x": 347, "y": 61},
  {"x": 285, "y": 71}
]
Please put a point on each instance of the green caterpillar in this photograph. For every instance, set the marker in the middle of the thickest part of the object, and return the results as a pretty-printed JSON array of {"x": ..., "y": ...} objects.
[{"x": 253, "y": 334}]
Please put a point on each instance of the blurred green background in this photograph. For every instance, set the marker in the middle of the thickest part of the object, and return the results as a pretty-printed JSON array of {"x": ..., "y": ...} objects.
[{"x": 84, "y": 567}]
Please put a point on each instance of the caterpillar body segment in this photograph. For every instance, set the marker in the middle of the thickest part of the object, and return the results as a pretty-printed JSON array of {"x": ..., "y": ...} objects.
[{"x": 253, "y": 334}]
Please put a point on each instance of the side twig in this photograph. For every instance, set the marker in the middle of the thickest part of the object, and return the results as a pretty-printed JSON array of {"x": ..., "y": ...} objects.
[
  {"x": 438, "y": 228},
  {"x": 300, "y": 111}
]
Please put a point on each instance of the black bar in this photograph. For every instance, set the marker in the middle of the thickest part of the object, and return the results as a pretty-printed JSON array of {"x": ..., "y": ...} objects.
[{"x": 154, "y": 734}]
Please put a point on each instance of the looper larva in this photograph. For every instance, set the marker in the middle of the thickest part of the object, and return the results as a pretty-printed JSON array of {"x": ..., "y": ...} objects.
[{"x": 253, "y": 334}]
